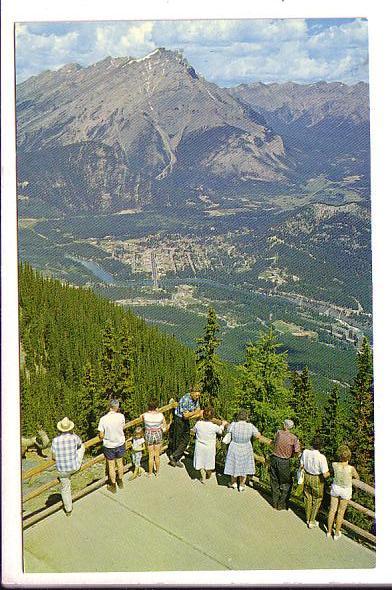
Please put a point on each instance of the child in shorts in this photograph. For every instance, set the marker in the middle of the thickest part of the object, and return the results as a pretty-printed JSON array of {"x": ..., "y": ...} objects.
[
  {"x": 341, "y": 490},
  {"x": 138, "y": 446}
]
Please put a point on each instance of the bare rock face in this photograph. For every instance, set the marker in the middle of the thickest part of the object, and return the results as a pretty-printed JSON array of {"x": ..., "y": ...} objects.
[{"x": 113, "y": 135}]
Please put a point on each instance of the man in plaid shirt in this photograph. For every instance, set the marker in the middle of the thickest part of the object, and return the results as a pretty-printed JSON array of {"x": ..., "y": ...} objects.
[{"x": 67, "y": 451}]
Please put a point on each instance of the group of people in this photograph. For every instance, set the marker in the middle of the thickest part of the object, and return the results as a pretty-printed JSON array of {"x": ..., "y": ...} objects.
[{"x": 68, "y": 451}]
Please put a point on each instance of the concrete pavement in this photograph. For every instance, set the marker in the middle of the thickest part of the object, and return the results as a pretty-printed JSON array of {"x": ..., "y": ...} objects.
[{"x": 174, "y": 523}]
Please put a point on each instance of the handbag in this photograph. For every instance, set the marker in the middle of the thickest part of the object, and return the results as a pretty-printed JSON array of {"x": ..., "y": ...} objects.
[
  {"x": 300, "y": 475},
  {"x": 227, "y": 438}
]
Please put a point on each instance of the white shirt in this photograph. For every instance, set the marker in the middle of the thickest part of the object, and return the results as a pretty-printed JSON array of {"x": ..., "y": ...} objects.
[
  {"x": 314, "y": 462},
  {"x": 206, "y": 432},
  {"x": 112, "y": 426}
]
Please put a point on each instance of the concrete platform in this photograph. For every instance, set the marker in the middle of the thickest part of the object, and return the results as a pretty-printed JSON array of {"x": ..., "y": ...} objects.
[{"x": 174, "y": 523}]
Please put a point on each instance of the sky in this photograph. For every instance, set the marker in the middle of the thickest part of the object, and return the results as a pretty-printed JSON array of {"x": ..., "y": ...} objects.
[{"x": 227, "y": 52}]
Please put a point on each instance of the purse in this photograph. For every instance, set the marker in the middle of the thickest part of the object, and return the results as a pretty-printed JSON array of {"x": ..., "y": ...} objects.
[
  {"x": 300, "y": 475},
  {"x": 227, "y": 438}
]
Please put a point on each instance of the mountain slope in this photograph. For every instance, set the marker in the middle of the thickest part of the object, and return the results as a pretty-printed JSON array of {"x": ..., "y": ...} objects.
[
  {"x": 325, "y": 126},
  {"x": 109, "y": 136}
]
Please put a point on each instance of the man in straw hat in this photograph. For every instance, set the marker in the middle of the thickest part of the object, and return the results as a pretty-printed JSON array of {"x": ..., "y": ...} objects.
[
  {"x": 284, "y": 446},
  {"x": 67, "y": 451},
  {"x": 111, "y": 432}
]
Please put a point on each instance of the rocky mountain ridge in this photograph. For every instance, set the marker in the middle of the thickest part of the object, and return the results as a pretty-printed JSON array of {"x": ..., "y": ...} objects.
[{"x": 113, "y": 132}]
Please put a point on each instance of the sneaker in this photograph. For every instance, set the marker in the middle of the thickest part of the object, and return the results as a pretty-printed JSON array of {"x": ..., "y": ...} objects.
[
  {"x": 232, "y": 486},
  {"x": 179, "y": 464},
  {"x": 120, "y": 483},
  {"x": 337, "y": 536},
  {"x": 329, "y": 536},
  {"x": 111, "y": 488},
  {"x": 241, "y": 489},
  {"x": 68, "y": 513},
  {"x": 313, "y": 525},
  {"x": 172, "y": 461}
]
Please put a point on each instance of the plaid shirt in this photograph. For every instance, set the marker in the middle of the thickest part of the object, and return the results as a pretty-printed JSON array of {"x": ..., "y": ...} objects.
[
  {"x": 286, "y": 444},
  {"x": 65, "y": 448},
  {"x": 186, "y": 404}
]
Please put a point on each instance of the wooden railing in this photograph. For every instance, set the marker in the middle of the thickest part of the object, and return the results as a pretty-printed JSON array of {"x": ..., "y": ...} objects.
[{"x": 33, "y": 517}]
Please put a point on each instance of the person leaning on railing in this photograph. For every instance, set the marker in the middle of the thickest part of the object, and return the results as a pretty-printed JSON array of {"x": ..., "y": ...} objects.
[
  {"x": 188, "y": 408},
  {"x": 68, "y": 452},
  {"x": 206, "y": 430},
  {"x": 240, "y": 461},
  {"x": 154, "y": 427},
  {"x": 111, "y": 431},
  {"x": 284, "y": 446},
  {"x": 315, "y": 467},
  {"x": 341, "y": 490}
]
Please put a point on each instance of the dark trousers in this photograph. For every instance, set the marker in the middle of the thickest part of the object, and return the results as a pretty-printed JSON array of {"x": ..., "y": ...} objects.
[
  {"x": 181, "y": 433},
  {"x": 281, "y": 481}
]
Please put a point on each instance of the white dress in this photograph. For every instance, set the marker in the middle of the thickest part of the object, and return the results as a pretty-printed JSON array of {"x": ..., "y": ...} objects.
[{"x": 205, "y": 445}]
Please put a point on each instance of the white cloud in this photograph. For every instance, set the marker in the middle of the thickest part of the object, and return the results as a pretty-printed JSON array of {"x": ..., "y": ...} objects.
[{"x": 224, "y": 51}]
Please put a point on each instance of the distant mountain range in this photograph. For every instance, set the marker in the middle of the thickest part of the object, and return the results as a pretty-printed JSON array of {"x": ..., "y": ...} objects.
[
  {"x": 126, "y": 133},
  {"x": 325, "y": 126}
]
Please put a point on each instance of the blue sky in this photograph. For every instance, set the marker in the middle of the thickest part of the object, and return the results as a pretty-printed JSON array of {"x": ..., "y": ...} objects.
[{"x": 227, "y": 52}]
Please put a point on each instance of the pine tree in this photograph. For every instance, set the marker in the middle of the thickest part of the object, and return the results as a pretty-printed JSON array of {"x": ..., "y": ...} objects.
[
  {"x": 262, "y": 385},
  {"x": 208, "y": 365},
  {"x": 126, "y": 381},
  {"x": 362, "y": 401},
  {"x": 332, "y": 434},
  {"x": 304, "y": 406},
  {"x": 109, "y": 373},
  {"x": 90, "y": 404}
]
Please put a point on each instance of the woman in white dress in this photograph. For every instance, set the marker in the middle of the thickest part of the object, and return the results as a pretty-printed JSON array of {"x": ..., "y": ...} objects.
[
  {"x": 240, "y": 461},
  {"x": 205, "y": 445}
]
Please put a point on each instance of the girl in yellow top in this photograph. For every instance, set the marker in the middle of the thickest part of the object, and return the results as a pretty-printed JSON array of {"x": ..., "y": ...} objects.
[{"x": 341, "y": 490}]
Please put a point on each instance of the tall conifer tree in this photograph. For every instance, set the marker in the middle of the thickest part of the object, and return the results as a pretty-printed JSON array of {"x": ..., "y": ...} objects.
[
  {"x": 208, "y": 364},
  {"x": 126, "y": 384},
  {"x": 304, "y": 405},
  {"x": 262, "y": 385},
  {"x": 90, "y": 404},
  {"x": 332, "y": 434},
  {"x": 362, "y": 399},
  {"x": 108, "y": 364}
]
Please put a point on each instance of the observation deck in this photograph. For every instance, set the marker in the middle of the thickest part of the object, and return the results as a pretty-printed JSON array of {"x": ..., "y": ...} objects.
[{"x": 174, "y": 523}]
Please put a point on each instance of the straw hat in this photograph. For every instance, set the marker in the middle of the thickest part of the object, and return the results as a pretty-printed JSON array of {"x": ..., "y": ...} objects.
[{"x": 65, "y": 425}]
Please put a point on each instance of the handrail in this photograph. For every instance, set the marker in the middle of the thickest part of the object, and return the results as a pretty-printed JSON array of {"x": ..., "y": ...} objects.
[{"x": 89, "y": 443}]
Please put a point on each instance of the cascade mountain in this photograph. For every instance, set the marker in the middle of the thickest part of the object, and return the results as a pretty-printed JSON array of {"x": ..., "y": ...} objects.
[{"x": 128, "y": 132}]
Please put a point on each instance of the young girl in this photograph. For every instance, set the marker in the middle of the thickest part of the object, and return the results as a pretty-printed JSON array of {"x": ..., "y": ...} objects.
[
  {"x": 137, "y": 451},
  {"x": 341, "y": 490}
]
